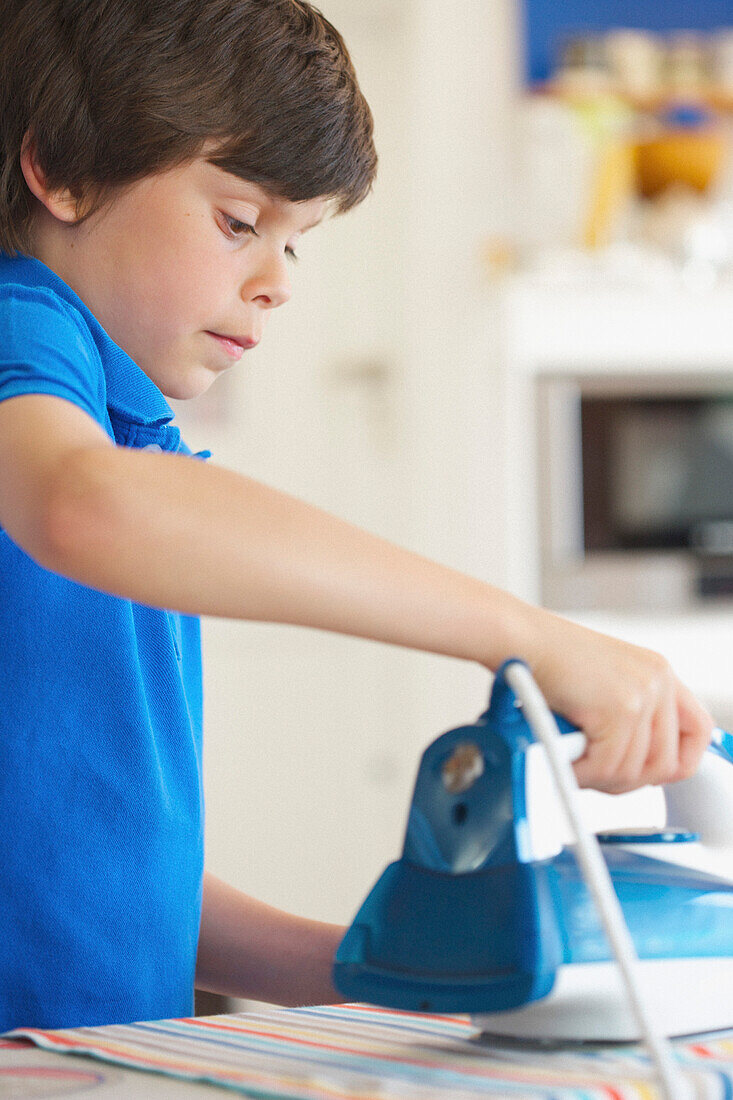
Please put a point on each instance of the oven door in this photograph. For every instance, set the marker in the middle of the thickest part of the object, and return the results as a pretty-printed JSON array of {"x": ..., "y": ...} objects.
[{"x": 636, "y": 490}]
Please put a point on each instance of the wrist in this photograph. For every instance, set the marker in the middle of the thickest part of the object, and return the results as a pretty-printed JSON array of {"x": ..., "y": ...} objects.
[{"x": 526, "y": 632}]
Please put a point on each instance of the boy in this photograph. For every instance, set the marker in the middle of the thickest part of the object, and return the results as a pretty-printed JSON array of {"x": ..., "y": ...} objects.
[{"x": 160, "y": 161}]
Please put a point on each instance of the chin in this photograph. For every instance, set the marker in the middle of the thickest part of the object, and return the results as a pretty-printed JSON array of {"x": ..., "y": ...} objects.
[{"x": 185, "y": 389}]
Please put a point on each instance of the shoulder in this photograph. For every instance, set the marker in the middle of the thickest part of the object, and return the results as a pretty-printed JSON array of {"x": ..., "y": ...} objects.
[
  {"x": 23, "y": 307},
  {"x": 46, "y": 346}
]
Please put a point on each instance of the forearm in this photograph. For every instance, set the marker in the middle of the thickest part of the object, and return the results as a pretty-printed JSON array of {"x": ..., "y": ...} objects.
[
  {"x": 201, "y": 539},
  {"x": 249, "y": 949}
]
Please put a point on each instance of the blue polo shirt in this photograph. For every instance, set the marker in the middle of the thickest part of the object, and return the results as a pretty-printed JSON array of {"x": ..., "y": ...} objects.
[{"x": 101, "y": 842}]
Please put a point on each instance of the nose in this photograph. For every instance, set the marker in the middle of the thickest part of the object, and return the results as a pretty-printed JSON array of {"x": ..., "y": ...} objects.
[{"x": 269, "y": 284}]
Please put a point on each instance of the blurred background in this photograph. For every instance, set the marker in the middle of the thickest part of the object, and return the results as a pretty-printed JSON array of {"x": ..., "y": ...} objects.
[{"x": 515, "y": 357}]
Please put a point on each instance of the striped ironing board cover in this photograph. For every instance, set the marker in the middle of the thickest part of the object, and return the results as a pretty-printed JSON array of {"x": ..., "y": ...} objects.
[{"x": 355, "y": 1052}]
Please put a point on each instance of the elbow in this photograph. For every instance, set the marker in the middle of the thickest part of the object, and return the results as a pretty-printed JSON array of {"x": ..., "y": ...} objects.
[{"x": 79, "y": 521}]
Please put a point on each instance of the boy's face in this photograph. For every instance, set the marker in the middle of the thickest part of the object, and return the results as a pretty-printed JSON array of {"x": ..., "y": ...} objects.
[{"x": 177, "y": 262}]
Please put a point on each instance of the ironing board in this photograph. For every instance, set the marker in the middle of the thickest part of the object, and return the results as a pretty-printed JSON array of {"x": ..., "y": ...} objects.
[{"x": 358, "y": 1052}]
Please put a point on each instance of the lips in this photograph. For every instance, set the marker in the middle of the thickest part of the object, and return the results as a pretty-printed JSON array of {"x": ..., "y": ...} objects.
[{"x": 234, "y": 345}]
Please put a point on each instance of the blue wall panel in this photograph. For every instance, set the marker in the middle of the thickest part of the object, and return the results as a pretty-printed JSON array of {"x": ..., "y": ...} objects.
[{"x": 548, "y": 22}]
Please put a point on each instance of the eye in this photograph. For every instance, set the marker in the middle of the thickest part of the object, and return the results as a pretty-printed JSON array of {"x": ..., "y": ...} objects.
[{"x": 236, "y": 228}]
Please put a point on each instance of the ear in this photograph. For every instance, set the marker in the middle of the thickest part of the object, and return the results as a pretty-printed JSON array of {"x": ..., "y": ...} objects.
[{"x": 60, "y": 203}]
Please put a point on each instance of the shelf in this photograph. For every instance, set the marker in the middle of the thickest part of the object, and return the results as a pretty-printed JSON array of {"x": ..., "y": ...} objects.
[{"x": 716, "y": 99}]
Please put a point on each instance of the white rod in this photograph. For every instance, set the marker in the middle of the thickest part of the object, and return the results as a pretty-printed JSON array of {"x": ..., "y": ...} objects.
[{"x": 597, "y": 877}]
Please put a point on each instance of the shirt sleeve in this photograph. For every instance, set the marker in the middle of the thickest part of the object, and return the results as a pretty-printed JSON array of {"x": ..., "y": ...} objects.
[{"x": 45, "y": 348}]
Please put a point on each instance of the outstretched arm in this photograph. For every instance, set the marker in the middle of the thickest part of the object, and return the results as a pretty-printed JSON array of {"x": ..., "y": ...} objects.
[{"x": 173, "y": 532}]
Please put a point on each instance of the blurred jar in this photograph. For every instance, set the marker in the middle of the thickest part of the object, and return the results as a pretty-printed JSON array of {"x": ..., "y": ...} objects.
[
  {"x": 687, "y": 65},
  {"x": 573, "y": 171},
  {"x": 688, "y": 150},
  {"x": 721, "y": 49},
  {"x": 553, "y": 164},
  {"x": 635, "y": 61},
  {"x": 583, "y": 68},
  {"x": 695, "y": 233}
]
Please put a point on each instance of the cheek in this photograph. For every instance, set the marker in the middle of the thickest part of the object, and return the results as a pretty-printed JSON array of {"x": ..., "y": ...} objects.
[
  {"x": 196, "y": 273},
  {"x": 171, "y": 273},
  {"x": 175, "y": 278}
]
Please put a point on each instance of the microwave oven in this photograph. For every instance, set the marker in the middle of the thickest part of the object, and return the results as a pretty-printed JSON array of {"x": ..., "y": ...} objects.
[{"x": 635, "y": 480}]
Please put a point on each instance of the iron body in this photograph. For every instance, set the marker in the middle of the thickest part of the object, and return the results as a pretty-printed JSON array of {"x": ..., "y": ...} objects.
[{"x": 487, "y": 913}]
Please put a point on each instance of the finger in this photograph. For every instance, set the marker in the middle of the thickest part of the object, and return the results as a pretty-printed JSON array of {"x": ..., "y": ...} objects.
[
  {"x": 630, "y": 771},
  {"x": 662, "y": 762},
  {"x": 696, "y": 730},
  {"x": 651, "y": 744},
  {"x": 600, "y": 759},
  {"x": 616, "y": 755}
]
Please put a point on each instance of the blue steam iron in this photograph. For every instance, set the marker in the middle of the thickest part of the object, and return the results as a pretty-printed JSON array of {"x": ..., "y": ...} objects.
[{"x": 487, "y": 911}]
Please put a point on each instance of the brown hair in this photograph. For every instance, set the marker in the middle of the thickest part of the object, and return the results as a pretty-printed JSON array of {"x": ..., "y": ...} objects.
[{"x": 115, "y": 90}]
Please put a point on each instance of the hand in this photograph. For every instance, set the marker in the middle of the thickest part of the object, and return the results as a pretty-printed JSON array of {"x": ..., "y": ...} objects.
[{"x": 643, "y": 726}]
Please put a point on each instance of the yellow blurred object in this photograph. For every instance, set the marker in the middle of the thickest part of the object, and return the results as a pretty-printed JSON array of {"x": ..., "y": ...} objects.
[
  {"x": 678, "y": 157},
  {"x": 498, "y": 256},
  {"x": 613, "y": 185}
]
